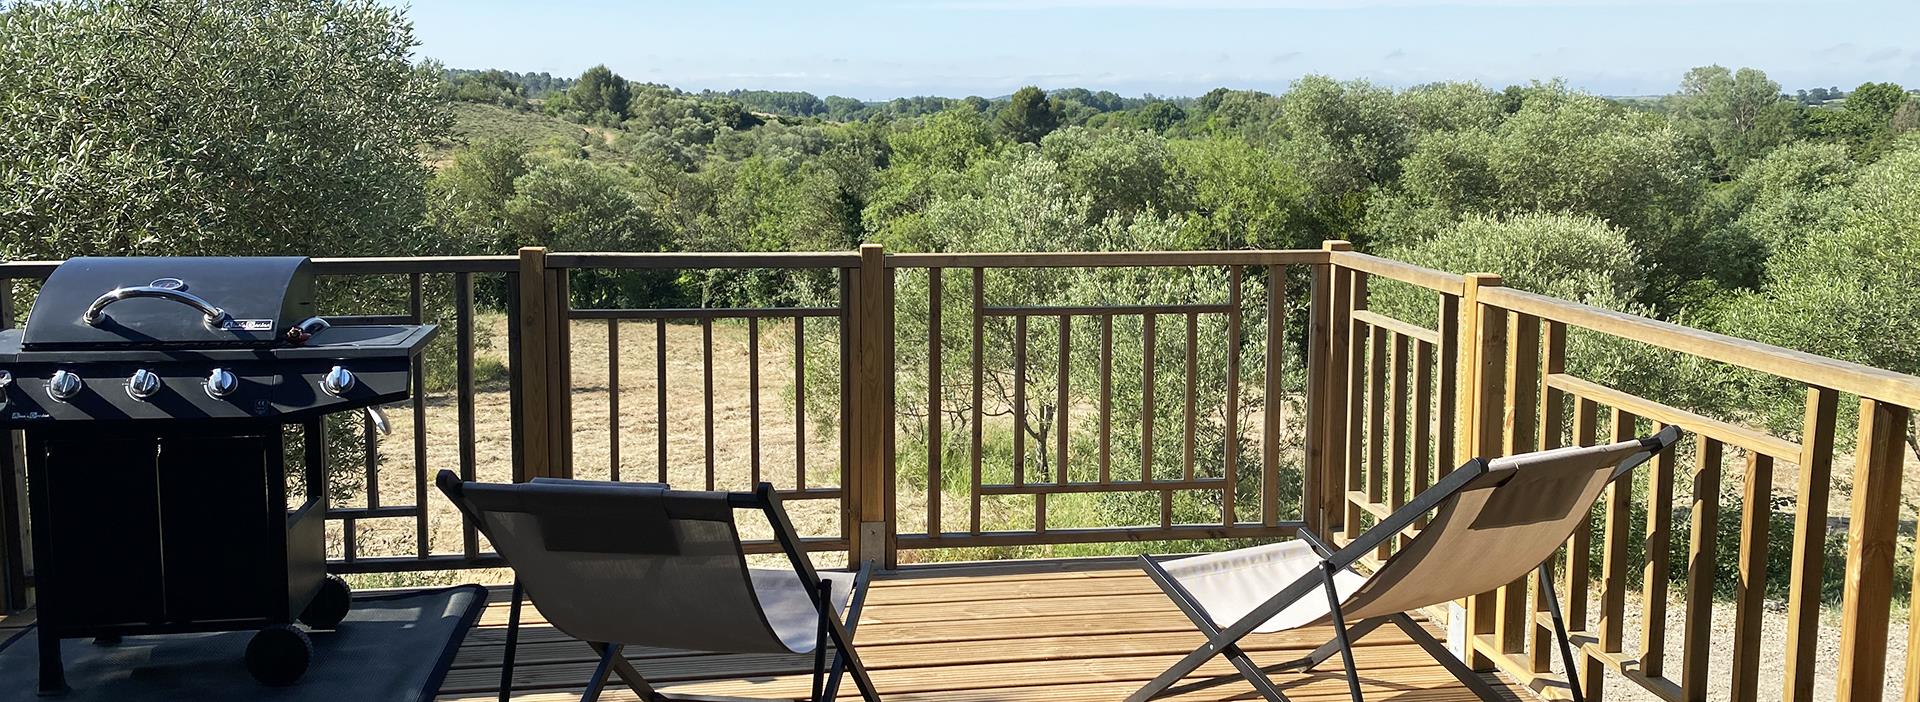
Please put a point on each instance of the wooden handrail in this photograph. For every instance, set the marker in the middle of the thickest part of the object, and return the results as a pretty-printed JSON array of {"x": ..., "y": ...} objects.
[
  {"x": 1799, "y": 366},
  {"x": 1115, "y": 259},
  {"x": 1437, "y": 281}
]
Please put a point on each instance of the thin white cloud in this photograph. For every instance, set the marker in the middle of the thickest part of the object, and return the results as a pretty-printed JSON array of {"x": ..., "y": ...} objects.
[{"x": 998, "y": 5}]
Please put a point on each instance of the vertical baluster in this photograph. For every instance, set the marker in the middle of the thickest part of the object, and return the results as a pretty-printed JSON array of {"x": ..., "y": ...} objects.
[
  {"x": 1020, "y": 400},
  {"x": 1231, "y": 451},
  {"x": 1613, "y": 561},
  {"x": 660, "y": 393},
  {"x": 1147, "y": 347},
  {"x": 1397, "y": 421},
  {"x": 1586, "y": 428},
  {"x": 1379, "y": 341},
  {"x": 935, "y": 421},
  {"x": 613, "y": 399},
  {"x": 706, "y": 371},
  {"x": 1188, "y": 448},
  {"x": 1696, "y": 648},
  {"x": 1060, "y": 401},
  {"x": 1106, "y": 398},
  {"x": 1871, "y": 541},
  {"x": 1553, "y": 404},
  {"x": 1809, "y": 542},
  {"x": 1750, "y": 597},
  {"x": 1355, "y": 445},
  {"x": 1423, "y": 459},
  {"x": 416, "y": 308},
  {"x": 1272, "y": 397},
  {"x": 799, "y": 403},
  {"x": 979, "y": 383},
  {"x": 1447, "y": 387},
  {"x": 1522, "y": 434},
  {"x": 463, "y": 396},
  {"x": 753, "y": 401},
  {"x": 1654, "y": 573}
]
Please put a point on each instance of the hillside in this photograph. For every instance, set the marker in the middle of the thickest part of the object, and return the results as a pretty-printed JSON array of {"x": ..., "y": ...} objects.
[{"x": 475, "y": 123}]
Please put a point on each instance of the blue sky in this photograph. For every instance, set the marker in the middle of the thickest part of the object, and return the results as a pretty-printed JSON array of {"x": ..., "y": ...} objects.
[{"x": 876, "y": 50}]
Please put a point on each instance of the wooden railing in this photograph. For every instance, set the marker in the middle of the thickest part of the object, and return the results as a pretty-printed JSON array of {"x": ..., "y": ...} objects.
[
  {"x": 1511, "y": 391},
  {"x": 1386, "y": 404}
]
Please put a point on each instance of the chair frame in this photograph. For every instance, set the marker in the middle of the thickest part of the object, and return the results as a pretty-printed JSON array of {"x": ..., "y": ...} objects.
[
  {"x": 832, "y": 631},
  {"x": 1225, "y": 642}
]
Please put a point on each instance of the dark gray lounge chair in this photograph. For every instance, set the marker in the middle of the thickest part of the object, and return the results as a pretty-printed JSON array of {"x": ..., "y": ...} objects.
[
  {"x": 617, "y": 564},
  {"x": 1493, "y": 523}
]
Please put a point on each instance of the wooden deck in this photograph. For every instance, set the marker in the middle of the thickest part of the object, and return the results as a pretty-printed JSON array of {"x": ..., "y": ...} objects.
[
  {"x": 1034, "y": 632},
  {"x": 1042, "y": 631}
]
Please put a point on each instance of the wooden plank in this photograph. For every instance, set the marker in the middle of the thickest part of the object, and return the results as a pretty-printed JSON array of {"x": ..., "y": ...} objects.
[
  {"x": 1020, "y": 401},
  {"x": 1333, "y": 315},
  {"x": 1062, "y": 404},
  {"x": 936, "y": 421},
  {"x": 1871, "y": 543},
  {"x": 706, "y": 397},
  {"x": 1696, "y": 649},
  {"x": 1896, "y": 388},
  {"x": 1051, "y": 488},
  {"x": 1379, "y": 341},
  {"x": 1148, "y": 345},
  {"x": 1355, "y": 439},
  {"x": 1094, "y": 310},
  {"x": 978, "y": 362},
  {"x": 1106, "y": 398},
  {"x": 704, "y": 259},
  {"x": 1189, "y": 447},
  {"x": 1521, "y": 424},
  {"x": 1231, "y": 435},
  {"x": 660, "y": 397},
  {"x": 1103, "y": 259},
  {"x": 1273, "y": 395},
  {"x": 1397, "y": 421},
  {"x": 707, "y": 313},
  {"x": 1731, "y": 434},
  {"x": 1809, "y": 543},
  {"x": 465, "y": 415},
  {"x": 613, "y": 401},
  {"x": 534, "y": 327},
  {"x": 1586, "y": 421},
  {"x": 1375, "y": 319},
  {"x": 1481, "y": 425},
  {"x": 1553, "y": 409},
  {"x": 1613, "y": 564},
  {"x": 1654, "y": 573},
  {"x": 1437, "y": 281},
  {"x": 1750, "y": 597},
  {"x": 1423, "y": 451}
]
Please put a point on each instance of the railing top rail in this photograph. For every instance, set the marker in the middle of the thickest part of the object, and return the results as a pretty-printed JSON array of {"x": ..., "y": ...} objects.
[
  {"x": 1437, "y": 281},
  {"x": 1799, "y": 366},
  {"x": 1070, "y": 259},
  {"x": 705, "y": 259},
  {"x": 363, "y": 265}
]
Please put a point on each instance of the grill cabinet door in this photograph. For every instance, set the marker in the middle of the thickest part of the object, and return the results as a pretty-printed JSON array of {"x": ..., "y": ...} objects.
[
  {"x": 99, "y": 510},
  {"x": 221, "y": 525}
]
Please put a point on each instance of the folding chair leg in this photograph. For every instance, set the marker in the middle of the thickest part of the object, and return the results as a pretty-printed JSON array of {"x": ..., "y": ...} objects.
[
  {"x": 1328, "y": 570},
  {"x": 859, "y": 600},
  {"x": 513, "y": 643},
  {"x": 1560, "y": 632},
  {"x": 820, "y": 646},
  {"x": 1231, "y": 650},
  {"x": 1326, "y": 650},
  {"x": 608, "y": 654}
]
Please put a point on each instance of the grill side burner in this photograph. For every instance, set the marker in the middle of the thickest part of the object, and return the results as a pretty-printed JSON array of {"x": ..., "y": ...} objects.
[{"x": 154, "y": 394}]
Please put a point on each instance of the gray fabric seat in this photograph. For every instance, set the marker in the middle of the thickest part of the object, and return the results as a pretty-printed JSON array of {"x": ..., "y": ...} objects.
[{"x": 617, "y": 564}]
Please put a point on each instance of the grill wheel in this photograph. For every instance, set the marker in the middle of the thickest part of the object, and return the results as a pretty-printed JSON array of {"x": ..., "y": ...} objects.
[{"x": 278, "y": 655}]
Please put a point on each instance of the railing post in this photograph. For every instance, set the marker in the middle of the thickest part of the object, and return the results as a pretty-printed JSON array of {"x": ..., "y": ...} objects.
[
  {"x": 870, "y": 409},
  {"x": 544, "y": 403},
  {"x": 1325, "y": 403},
  {"x": 1482, "y": 363},
  {"x": 1871, "y": 544}
]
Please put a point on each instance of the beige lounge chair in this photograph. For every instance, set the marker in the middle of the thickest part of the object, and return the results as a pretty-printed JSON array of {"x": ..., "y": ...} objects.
[{"x": 1493, "y": 523}]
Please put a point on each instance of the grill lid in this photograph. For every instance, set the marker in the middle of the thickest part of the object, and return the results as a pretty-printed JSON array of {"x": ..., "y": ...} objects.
[{"x": 161, "y": 302}]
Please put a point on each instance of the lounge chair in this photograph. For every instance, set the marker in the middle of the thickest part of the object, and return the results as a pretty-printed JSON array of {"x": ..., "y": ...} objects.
[
  {"x": 618, "y": 564},
  {"x": 1493, "y": 523}
]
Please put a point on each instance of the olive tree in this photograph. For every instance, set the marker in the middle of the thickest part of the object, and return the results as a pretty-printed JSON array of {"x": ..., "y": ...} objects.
[{"x": 184, "y": 127}]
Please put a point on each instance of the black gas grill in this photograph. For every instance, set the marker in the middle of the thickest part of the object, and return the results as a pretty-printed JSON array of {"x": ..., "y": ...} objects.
[{"x": 154, "y": 393}]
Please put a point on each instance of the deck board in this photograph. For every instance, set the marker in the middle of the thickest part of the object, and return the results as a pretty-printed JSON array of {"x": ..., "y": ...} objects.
[{"x": 1046, "y": 632}]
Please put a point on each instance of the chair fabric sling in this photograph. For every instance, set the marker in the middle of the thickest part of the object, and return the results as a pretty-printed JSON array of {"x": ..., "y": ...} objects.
[
  {"x": 617, "y": 564},
  {"x": 1492, "y": 523}
]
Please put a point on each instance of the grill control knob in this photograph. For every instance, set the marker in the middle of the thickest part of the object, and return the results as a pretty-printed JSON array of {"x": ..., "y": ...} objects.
[
  {"x": 338, "y": 381},
  {"x": 64, "y": 385},
  {"x": 221, "y": 383},
  {"x": 143, "y": 384}
]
